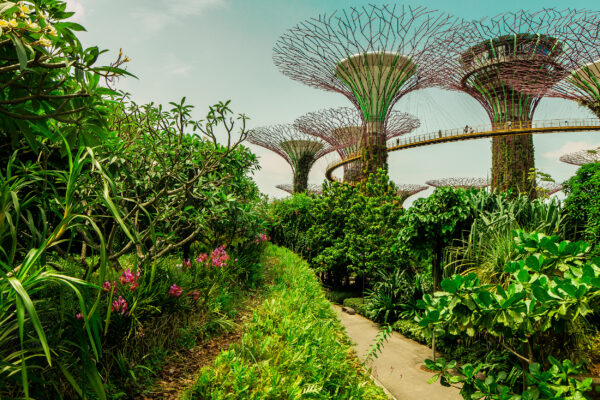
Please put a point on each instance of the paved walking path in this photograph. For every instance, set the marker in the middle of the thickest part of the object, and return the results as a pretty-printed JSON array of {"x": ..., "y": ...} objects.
[{"x": 398, "y": 367}]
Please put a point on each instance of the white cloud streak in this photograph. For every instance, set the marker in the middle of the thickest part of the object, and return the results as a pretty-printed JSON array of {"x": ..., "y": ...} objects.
[{"x": 570, "y": 147}]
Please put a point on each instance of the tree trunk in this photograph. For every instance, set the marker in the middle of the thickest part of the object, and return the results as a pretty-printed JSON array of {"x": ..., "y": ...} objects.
[{"x": 374, "y": 150}]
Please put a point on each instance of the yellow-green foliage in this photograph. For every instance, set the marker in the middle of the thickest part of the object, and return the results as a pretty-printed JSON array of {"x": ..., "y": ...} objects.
[{"x": 293, "y": 348}]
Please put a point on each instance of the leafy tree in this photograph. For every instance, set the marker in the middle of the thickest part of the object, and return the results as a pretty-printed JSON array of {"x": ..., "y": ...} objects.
[
  {"x": 354, "y": 228},
  {"x": 431, "y": 224},
  {"x": 582, "y": 205},
  {"x": 47, "y": 78}
]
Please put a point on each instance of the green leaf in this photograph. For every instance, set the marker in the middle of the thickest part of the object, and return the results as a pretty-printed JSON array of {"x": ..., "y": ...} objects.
[{"x": 21, "y": 51}]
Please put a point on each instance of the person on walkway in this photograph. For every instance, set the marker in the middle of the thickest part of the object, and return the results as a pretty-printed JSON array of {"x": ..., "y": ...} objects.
[
  {"x": 466, "y": 129},
  {"x": 509, "y": 124},
  {"x": 440, "y": 133}
]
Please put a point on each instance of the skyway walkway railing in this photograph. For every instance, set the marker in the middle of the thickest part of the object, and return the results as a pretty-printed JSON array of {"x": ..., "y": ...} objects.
[{"x": 477, "y": 132}]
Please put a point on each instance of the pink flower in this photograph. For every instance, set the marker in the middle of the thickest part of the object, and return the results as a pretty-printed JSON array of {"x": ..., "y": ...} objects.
[
  {"x": 202, "y": 258},
  {"x": 195, "y": 294},
  {"x": 186, "y": 263},
  {"x": 106, "y": 286},
  {"x": 127, "y": 277},
  {"x": 219, "y": 257},
  {"x": 79, "y": 316},
  {"x": 119, "y": 305},
  {"x": 175, "y": 291}
]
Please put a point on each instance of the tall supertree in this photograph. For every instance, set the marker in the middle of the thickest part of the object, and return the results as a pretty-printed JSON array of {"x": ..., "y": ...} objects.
[
  {"x": 297, "y": 148},
  {"x": 582, "y": 157},
  {"x": 373, "y": 55},
  {"x": 311, "y": 188},
  {"x": 485, "y": 59},
  {"x": 460, "y": 182},
  {"x": 406, "y": 190},
  {"x": 343, "y": 128},
  {"x": 580, "y": 80}
]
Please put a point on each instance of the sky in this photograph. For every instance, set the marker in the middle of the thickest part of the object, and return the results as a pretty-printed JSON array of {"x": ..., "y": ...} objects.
[{"x": 215, "y": 50}]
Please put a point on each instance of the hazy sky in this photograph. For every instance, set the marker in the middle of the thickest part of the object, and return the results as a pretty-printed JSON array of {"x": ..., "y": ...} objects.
[{"x": 211, "y": 50}]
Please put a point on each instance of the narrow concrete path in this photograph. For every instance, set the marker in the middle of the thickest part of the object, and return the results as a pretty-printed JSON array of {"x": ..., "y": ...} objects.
[{"x": 398, "y": 367}]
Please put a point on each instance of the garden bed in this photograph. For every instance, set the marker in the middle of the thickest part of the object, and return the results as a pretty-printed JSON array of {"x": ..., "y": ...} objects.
[{"x": 294, "y": 346}]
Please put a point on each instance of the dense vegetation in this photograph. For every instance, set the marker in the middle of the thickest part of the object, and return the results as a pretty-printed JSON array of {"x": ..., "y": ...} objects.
[
  {"x": 293, "y": 348},
  {"x": 517, "y": 307},
  {"x": 126, "y": 231}
]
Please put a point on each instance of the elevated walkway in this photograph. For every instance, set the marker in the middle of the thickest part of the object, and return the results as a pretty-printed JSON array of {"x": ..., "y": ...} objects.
[{"x": 477, "y": 132}]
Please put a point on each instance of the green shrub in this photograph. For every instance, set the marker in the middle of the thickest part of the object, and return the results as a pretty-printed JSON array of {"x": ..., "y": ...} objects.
[
  {"x": 338, "y": 296},
  {"x": 553, "y": 287},
  {"x": 294, "y": 347},
  {"x": 357, "y": 303},
  {"x": 412, "y": 330},
  {"x": 582, "y": 205}
]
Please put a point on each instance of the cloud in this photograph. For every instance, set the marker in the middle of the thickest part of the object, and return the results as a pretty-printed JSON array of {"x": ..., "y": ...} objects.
[
  {"x": 192, "y": 7},
  {"x": 78, "y": 8},
  {"x": 154, "y": 20},
  {"x": 570, "y": 147}
]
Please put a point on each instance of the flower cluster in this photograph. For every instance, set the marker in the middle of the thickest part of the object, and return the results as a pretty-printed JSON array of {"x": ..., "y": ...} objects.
[
  {"x": 127, "y": 278},
  {"x": 262, "y": 238},
  {"x": 119, "y": 305},
  {"x": 22, "y": 20},
  {"x": 175, "y": 291},
  {"x": 218, "y": 258},
  {"x": 187, "y": 263}
]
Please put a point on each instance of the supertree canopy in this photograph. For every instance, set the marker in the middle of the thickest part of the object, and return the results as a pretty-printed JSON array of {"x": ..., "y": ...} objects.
[
  {"x": 582, "y": 157},
  {"x": 343, "y": 128},
  {"x": 460, "y": 182},
  {"x": 492, "y": 60},
  {"x": 311, "y": 188},
  {"x": 580, "y": 77},
  {"x": 407, "y": 190},
  {"x": 545, "y": 188},
  {"x": 373, "y": 55},
  {"x": 297, "y": 148}
]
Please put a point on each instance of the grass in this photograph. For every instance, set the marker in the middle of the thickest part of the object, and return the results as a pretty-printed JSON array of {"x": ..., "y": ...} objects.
[{"x": 293, "y": 347}]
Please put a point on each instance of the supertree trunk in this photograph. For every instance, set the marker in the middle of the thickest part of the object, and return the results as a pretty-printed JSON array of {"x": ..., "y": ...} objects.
[
  {"x": 512, "y": 159},
  {"x": 374, "y": 151},
  {"x": 301, "y": 173},
  {"x": 513, "y": 156}
]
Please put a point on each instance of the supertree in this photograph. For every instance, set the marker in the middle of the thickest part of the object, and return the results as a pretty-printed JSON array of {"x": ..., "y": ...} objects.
[
  {"x": 486, "y": 60},
  {"x": 297, "y": 148},
  {"x": 460, "y": 182},
  {"x": 582, "y": 157},
  {"x": 373, "y": 55},
  {"x": 407, "y": 190},
  {"x": 343, "y": 128},
  {"x": 580, "y": 80},
  {"x": 311, "y": 188}
]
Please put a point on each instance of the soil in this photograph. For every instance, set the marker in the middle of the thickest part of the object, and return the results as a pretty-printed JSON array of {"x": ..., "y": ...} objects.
[{"x": 182, "y": 369}]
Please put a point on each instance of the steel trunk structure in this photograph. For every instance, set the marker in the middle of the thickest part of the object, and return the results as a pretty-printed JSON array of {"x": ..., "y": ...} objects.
[
  {"x": 373, "y": 55},
  {"x": 297, "y": 148},
  {"x": 485, "y": 59},
  {"x": 582, "y": 157},
  {"x": 344, "y": 126},
  {"x": 460, "y": 182}
]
